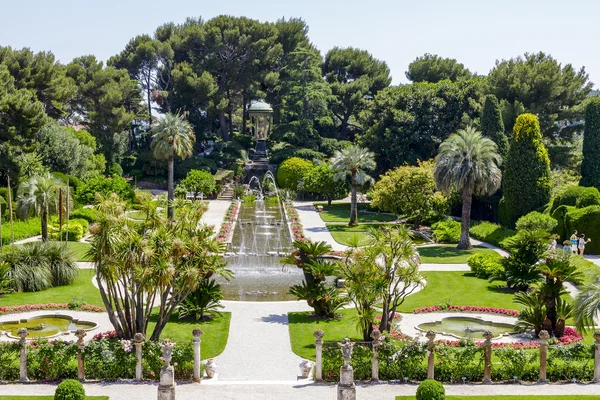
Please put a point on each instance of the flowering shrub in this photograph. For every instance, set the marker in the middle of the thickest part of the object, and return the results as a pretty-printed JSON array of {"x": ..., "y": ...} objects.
[
  {"x": 490, "y": 310},
  {"x": 294, "y": 219},
  {"x": 227, "y": 226},
  {"x": 49, "y": 306}
]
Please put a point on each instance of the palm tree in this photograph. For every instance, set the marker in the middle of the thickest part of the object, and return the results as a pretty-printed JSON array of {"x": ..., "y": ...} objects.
[
  {"x": 353, "y": 161},
  {"x": 467, "y": 162},
  {"x": 173, "y": 136},
  {"x": 587, "y": 305},
  {"x": 39, "y": 195}
]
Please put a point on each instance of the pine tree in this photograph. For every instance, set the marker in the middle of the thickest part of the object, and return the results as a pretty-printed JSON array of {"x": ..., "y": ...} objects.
[
  {"x": 590, "y": 167},
  {"x": 527, "y": 171},
  {"x": 492, "y": 125}
]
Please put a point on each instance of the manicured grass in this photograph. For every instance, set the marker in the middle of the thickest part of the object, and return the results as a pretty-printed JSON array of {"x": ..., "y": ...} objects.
[
  {"x": 449, "y": 254},
  {"x": 340, "y": 212},
  {"x": 492, "y": 233},
  {"x": 553, "y": 397},
  {"x": 344, "y": 234},
  {"x": 587, "y": 268},
  {"x": 214, "y": 339},
  {"x": 460, "y": 288},
  {"x": 302, "y": 326},
  {"x": 82, "y": 288},
  {"x": 47, "y": 397}
]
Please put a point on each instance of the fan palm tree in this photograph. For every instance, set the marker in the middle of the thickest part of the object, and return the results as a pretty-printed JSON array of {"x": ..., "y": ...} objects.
[
  {"x": 353, "y": 161},
  {"x": 173, "y": 136},
  {"x": 587, "y": 305},
  {"x": 467, "y": 162},
  {"x": 38, "y": 195}
]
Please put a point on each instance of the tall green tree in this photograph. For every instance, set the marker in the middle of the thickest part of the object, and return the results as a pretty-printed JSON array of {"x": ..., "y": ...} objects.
[
  {"x": 544, "y": 87},
  {"x": 39, "y": 195},
  {"x": 590, "y": 167},
  {"x": 407, "y": 123},
  {"x": 527, "y": 183},
  {"x": 172, "y": 136},
  {"x": 353, "y": 161},
  {"x": 319, "y": 180},
  {"x": 492, "y": 125},
  {"x": 468, "y": 163},
  {"x": 354, "y": 76},
  {"x": 433, "y": 68}
]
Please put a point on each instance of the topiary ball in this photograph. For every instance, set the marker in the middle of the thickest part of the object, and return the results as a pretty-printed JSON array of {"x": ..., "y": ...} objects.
[
  {"x": 70, "y": 389},
  {"x": 431, "y": 390}
]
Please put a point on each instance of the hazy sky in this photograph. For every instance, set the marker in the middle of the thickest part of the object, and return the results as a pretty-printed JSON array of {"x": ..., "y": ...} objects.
[{"x": 475, "y": 32}]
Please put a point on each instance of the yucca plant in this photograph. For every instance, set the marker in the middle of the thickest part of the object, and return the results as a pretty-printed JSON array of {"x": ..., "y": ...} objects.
[{"x": 202, "y": 302}]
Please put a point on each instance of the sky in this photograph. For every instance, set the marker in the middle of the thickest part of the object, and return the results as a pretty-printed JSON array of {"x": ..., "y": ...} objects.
[{"x": 474, "y": 32}]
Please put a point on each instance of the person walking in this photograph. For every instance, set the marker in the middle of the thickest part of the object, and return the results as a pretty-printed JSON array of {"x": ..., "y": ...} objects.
[
  {"x": 573, "y": 240},
  {"x": 582, "y": 243}
]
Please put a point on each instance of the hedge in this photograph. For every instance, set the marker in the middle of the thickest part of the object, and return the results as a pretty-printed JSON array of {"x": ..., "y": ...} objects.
[
  {"x": 447, "y": 231},
  {"x": 585, "y": 220},
  {"x": 89, "y": 214},
  {"x": 492, "y": 233},
  {"x": 590, "y": 166},
  {"x": 576, "y": 196},
  {"x": 291, "y": 171},
  {"x": 22, "y": 229}
]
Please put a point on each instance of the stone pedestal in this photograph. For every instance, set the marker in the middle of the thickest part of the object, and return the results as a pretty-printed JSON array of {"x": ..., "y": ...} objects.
[
  {"x": 377, "y": 339},
  {"x": 544, "y": 336},
  {"x": 430, "y": 354},
  {"x": 166, "y": 386},
  {"x": 138, "y": 341},
  {"x": 80, "y": 333},
  {"x": 23, "y": 333},
  {"x": 346, "y": 388},
  {"x": 597, "y": 357},
  {"x": 319, "y": 334},
  {"x": 487, "y": 366},
  {"x": 196, "y": 341}
]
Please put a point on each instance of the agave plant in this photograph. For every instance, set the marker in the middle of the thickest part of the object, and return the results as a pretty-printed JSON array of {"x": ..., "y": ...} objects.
[{"x": 202, "y": 302}]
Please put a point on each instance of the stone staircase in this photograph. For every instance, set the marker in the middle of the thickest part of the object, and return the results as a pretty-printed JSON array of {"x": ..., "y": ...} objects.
[{"x": 226, "y": 193}]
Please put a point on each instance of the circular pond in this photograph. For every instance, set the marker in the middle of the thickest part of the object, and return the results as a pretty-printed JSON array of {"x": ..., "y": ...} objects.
[
  {"x": 466, "y": 327},
  {"x": 45, "y": 326}
]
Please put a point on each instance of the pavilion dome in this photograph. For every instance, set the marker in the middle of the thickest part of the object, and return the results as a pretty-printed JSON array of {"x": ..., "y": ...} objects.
[{"x": 260, "y": 106}]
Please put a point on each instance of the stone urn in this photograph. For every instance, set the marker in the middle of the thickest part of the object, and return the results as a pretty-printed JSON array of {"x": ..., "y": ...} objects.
[
  {"x": 305, "y": 367},
  {"x": 320, "y": 208},
  {"x": 210, "y": 367}
]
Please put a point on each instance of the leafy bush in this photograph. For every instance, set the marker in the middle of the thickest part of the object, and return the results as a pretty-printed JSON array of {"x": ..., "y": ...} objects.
[
  {"x": 244, "y": 140},
  {"x": 291, "y": 172},
  {"x": 115, "y": 169},
  {"x": 204, "y": 301},
  {"x": 88, "y": 214},
  {"x": 22, "y": 229},
  {"x": 319, "y": 181},
  {"x": 280, "y": 154},
  {"x": 536, "y": 221},
  {"x": 199, "y": 182},
  {"x": 430, "y": 390},
  {"x": 567, "y": 198},
  {"x": 83, "y": 222},
  {"x": 183, "y": 168},
  {"x": 589, "y": 197},
  {"x": 330, "y": 145},
  {"x": 75, "y": 231},
  {"x": 485, "y": 265},
  {"x": 69, "y": 390},
  {"x": 492, "y": 233},
  {"x": 447, "y": 231},
  {"x": 86, "y": 194}
]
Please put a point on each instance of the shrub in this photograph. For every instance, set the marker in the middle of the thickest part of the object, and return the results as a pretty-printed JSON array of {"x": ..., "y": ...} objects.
[
  {"x": 447, "y": 231},
  {"x": 567, "y": 198},
  {"x": 330, "y": 145},
  {"x": 75, "y": 230},
  {"x": 115, "y": 169},
  {"x": 319, "y": 181},
  {"x": 183, "y": 168},
  {"x": 88, "y": 214},
  {"x": 492, "y": 125},
  {"x": 62, "y": 265},
  {"x": 86, "y": 194},
  {"x": 280, "y": 154},
  {"x": 291, "y": 172},
  {"x": 199, "y": 182},
  {"x": 83, "y": 222},
  {"x": 69, "y": 390},
  {"x": 430, "y": 390},
  {"x": 492, "y": 233},
  {"x": 589, "y": 197},
  {"x": 590, "y": 167},
  {"x": 485, "y": 265},
  {"x": 202, "y": 302},
  {"x": 22, "y": 229},
  {"x": 536, "y": 221},
  {"x": 560, "y": 216},
  {"x": 585, "y": 220},
  {"x": 526, "y": 179}
]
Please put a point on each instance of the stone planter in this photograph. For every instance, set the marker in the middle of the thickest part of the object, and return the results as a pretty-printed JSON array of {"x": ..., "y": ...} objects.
[
  {"x": 210, "y": 368},
  {"x": 305, "y": 367},
  {"x": 320, "y": 208}
]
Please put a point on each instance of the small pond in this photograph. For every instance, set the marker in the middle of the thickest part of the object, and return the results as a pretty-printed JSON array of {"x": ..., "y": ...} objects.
[
  {"x": 466, "y": 327},
  {"x": 45, "y": 326}
]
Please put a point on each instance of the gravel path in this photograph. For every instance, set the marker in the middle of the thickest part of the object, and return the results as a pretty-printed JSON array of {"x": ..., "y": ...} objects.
[
  {"x": 215, "y": 213},
  {"x": 314, "y": 227},
  {"x": 444, "y": 267}
]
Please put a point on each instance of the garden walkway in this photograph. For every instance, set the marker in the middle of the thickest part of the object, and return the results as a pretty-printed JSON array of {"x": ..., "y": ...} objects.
[
  {"x": 313, "y": 225},
  {"x": 215, "y": 213},
  {"x": 296, "y": 391},
  {"x": 259, "y": 347}
]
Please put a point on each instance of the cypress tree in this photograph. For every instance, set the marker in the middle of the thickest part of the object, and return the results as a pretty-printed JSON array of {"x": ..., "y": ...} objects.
[
  {"x": 590, "y": 166},
  {"x": 526, "y": 172},
  {"x": 492, "y": 125}
]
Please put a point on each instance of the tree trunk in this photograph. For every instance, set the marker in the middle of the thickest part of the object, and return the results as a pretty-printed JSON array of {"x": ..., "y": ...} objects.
[
  {"x": 417, "y": 222},
  {"x": 149, "y": 97},
  {"x": 467, "y": 199},
  {"x": 223, "y": 126},
  {"x": 343, "y": 129},
  {"x": 44, "y": 218},
  {"x": 385, "y": 312},
  {"x": 353, "y": 205},
  {"x": 230, "y": 114},
  {"x": 171, "y": 188},
  {"x": 329, "y": 201},
  {"x": 244, "y": 103}
]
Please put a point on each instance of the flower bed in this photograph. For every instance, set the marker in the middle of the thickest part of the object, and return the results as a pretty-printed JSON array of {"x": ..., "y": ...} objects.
[
  {"x": 488, "y": 310},
  {"x": 50, "y": 306},
  {"x": 227, "y": 226},
  {"x": 294, "y": 219}
]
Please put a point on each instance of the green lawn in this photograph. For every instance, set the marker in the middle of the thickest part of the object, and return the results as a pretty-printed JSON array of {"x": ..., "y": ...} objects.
[
  {"x": 449, "y": 254},
  {"x": 214, "y": 338},
  {"x": 302, "y": 327},
  {"x": 344, "y": 234},
  {"x": 553, "y": 397},
  {"x": 47, "y": 397},
  {"x": 79, "y": 250},
  {"x": 82, "y": 288},
  {"x": 460, "y": 288},
  {"x": 587, "y": 268},
  {"x": 340, "y": 212}
]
